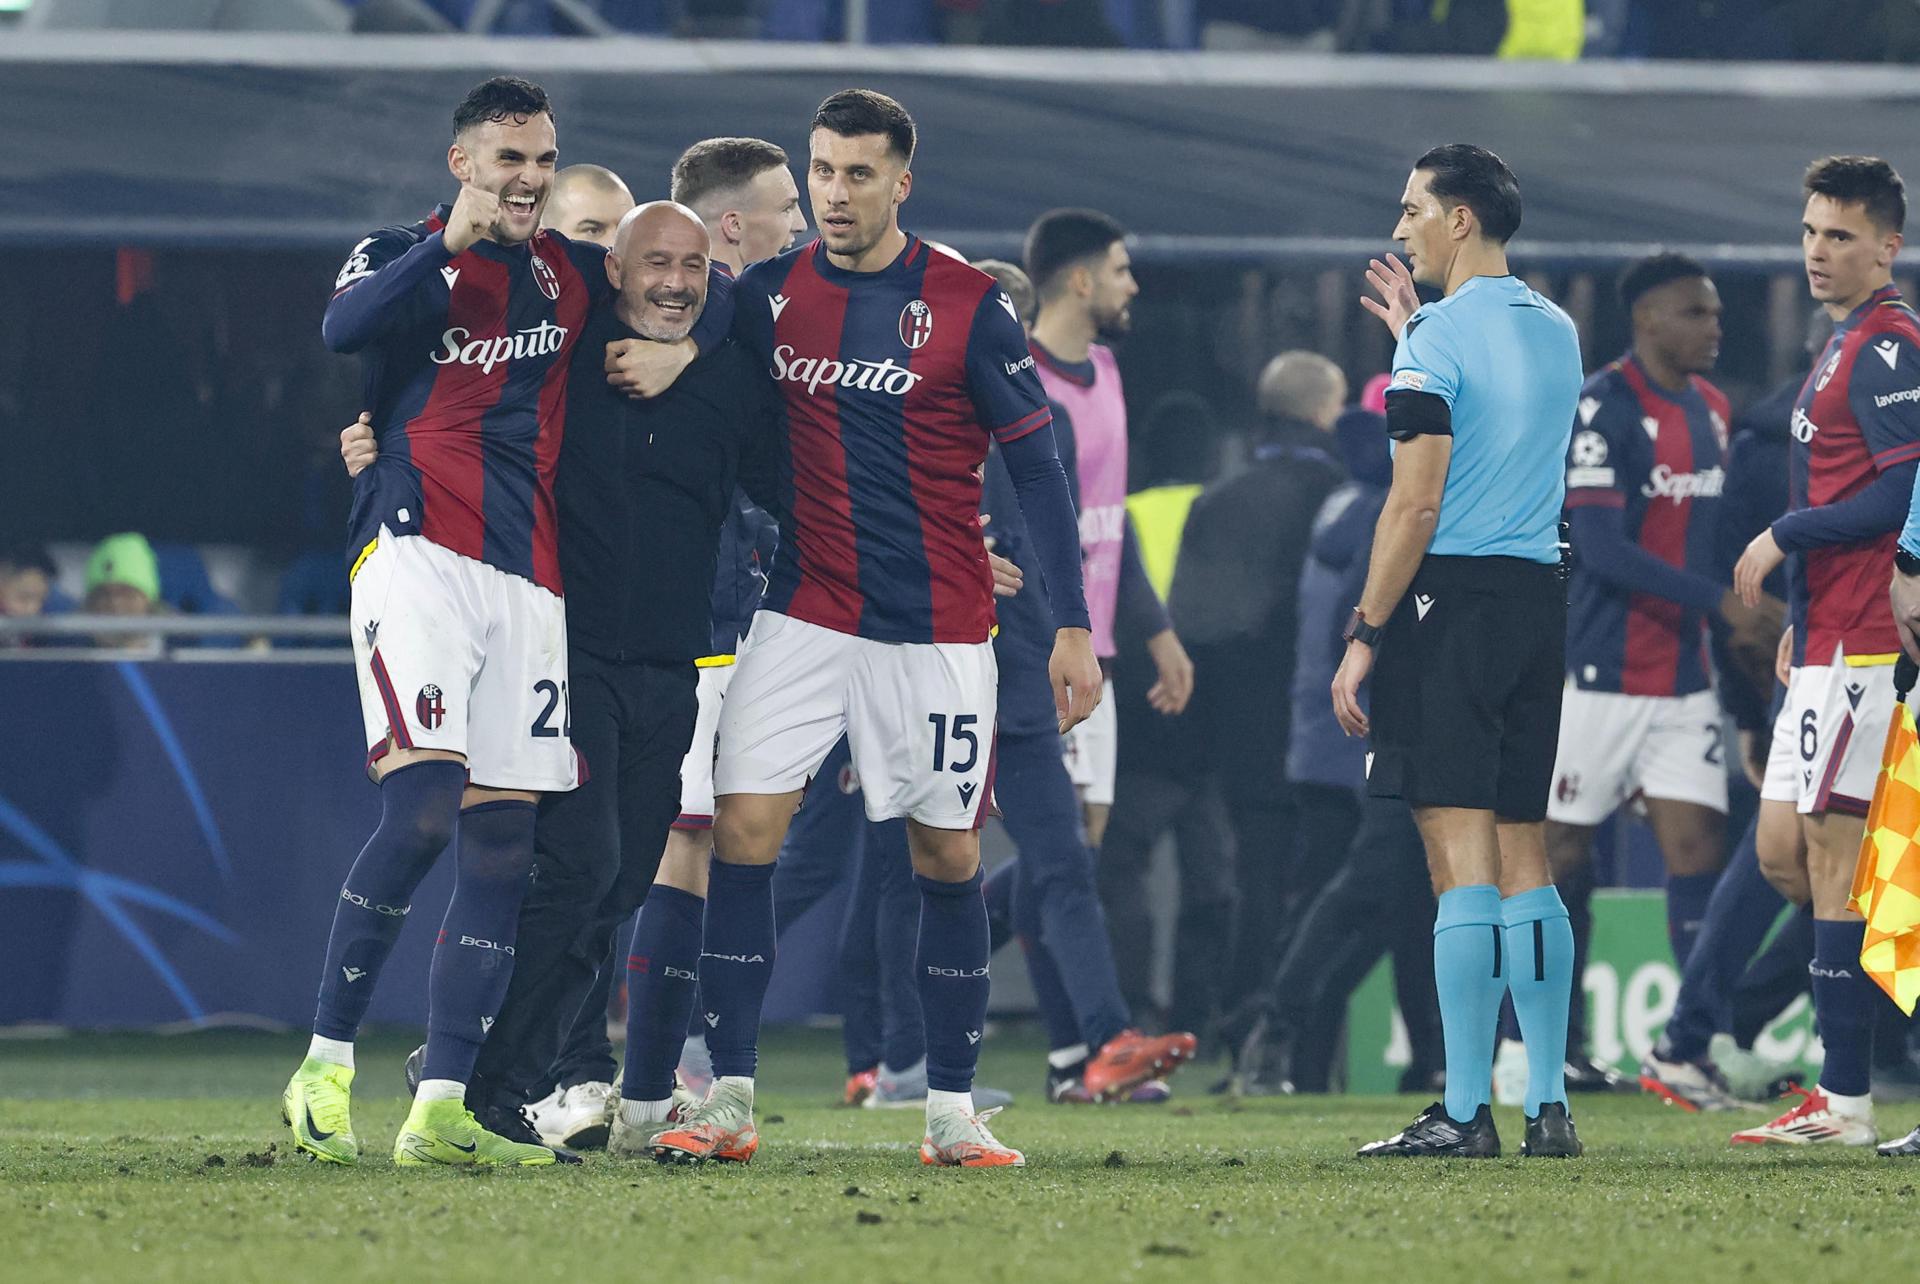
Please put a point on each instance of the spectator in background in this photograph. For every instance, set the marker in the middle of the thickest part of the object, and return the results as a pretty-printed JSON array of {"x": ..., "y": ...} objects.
[
  {"x": 1380, "y": 899},
  {"x": 26, "y": 580},
  {"x": 123, "y": 578},
  {"x": 1234, "y": 602},
  {"x": 1162, "y": 781}
]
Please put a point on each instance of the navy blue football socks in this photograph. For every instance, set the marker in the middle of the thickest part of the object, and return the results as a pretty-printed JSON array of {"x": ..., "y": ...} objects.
[
  {"x": 736, "y": 963},
  {"x": 1843, "y": 1003},
  {"x": 662, "y": 975},
  {"x": 951, "y": 964},
  {"x": 1687, "y": 897},
  {"x": 1539, "y": 966},
  {"x": 418, "y": 804},
  {"x": 473, "y": 959},
  {"x": 1468, "y": 948}
]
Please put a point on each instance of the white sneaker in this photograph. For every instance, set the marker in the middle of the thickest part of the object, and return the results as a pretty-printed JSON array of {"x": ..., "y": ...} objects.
[
  {"x": 578, "y": 1117},
  {"x": 1690, "y": 1085},
  {"x": 635, "y": 1139},
  {"x": 1750, "y": 1076},
  {"x": 1814, "y": 1122},
  {"x": 956, "y": 1139}
]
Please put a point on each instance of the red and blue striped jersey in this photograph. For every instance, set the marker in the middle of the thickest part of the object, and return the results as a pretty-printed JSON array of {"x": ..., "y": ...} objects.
[
  {"x": 1661, "y": 458},
  {"x": 890, "y": 384},
  {"x": 466, "y": 376},
  {"x": 1857, "y": 417}
]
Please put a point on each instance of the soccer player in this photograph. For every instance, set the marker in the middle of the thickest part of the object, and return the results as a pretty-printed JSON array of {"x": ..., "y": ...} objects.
[
  {"x": 895, "y": 366},
  {"x": 459, "y": 633},
  {"x": 1083, "y": 279},
  {"x": 1856, "y": 430},
  {"x": 1465, "y": 596},
  {"x": 587, "y": 204},
  {"x": 1049, "y": 894},
  {"x": 1645, "y": 473}
]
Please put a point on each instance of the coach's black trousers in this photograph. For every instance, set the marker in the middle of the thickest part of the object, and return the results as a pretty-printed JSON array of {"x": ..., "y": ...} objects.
[{"x": 596, "y": 850}]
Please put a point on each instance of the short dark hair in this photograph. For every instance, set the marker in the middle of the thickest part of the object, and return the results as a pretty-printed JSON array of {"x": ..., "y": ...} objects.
[
  {"x": 1862, "y": 180},
  {"x": 1462, "y": 174},
  {"x": 1655, "y": 271},
  {"x": 16, "y": 558},
  {"x": 1059, "y": 239},
  {"x": 854, "y": 112},
  {"x": 497, "y": 99},
  {"x": 714, "y": 166},
  {"x": 1014, "y": 282}
]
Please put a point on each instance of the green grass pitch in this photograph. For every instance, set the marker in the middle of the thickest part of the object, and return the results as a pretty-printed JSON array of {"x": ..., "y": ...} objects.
[{"x": 162, "y": 1159}]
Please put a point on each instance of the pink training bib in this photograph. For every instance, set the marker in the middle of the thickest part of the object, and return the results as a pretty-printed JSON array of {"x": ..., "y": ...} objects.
[{"x": 1098, "y": 411}]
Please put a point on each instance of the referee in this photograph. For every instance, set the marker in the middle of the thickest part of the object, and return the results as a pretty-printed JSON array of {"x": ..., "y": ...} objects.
[{"x": 1465, "y": 606}]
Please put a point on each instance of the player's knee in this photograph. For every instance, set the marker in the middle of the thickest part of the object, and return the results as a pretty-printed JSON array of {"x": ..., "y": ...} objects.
[
  {"x": 419, "y": 804},
  {"x": 1784, "y": 869}
]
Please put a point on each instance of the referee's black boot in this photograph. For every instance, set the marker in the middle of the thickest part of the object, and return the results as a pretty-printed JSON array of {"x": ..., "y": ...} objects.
[
  {"x": 1550, "y": 1134},
  {"x": 1435, "y": 1135}
]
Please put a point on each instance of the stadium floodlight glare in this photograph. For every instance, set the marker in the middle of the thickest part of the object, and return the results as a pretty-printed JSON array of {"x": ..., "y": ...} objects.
[{"x": 14, "y": 6}]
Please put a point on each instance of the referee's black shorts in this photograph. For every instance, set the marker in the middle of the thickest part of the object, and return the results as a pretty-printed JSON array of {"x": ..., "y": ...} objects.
[{"x": 1465, "y": 702}]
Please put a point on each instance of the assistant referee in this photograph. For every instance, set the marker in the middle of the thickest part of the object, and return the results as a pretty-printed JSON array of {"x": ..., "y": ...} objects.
[{"x": 1465, "y": 604}]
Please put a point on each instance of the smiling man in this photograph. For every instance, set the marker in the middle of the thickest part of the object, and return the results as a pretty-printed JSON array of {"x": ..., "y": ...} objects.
[
  {"x": 1466, "y": 599},
  {"x": 460, "y": 639}
]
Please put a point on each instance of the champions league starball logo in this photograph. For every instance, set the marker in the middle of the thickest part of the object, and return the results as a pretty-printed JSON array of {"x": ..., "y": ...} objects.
[{"x": 916, "y": 324}]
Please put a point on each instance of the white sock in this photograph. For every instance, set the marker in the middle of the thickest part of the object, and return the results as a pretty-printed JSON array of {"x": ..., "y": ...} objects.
[
  {"x": 335, "y": 1052},
  {"x": 1860, "y": 1107},
  {"x": 947, "y": 1102},
  {"x": 636, "y": 1113},
  {"x": 1067, "y": 1058},
  {"x": 440, "y": 1090},
  {"x": 742, "y": 1084}
]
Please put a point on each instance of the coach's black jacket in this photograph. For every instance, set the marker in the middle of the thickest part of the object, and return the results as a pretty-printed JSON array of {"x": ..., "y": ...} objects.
[{"x": 643, "y": 488}]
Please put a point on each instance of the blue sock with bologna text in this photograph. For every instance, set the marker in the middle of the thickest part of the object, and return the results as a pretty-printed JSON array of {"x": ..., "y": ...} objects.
[
  {"x": 473, "y": 959},
  {"x": 951, "y": 963},
  {"x": 736, "y": 962},
  {"x": 418, "y": 805},
  {"x": 662, "y": 976}
]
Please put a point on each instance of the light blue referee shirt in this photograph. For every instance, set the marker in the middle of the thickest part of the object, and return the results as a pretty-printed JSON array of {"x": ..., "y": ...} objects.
[{"x": 1507, "y": 362}]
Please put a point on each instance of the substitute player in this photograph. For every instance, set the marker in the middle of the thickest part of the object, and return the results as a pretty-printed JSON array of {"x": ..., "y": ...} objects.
[
  {"x": 1856, "y": 431},
  {"x": 459, "y": 633},
  {"x": 1083, "y": 281},
  {"x": 895, "y": 365},
  {"x": 1465, "y": 595},
  {"x": 1640, "y": 721}
]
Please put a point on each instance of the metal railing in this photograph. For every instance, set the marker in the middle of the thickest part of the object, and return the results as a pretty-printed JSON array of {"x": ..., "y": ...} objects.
[{"x": 321, "y": 639}]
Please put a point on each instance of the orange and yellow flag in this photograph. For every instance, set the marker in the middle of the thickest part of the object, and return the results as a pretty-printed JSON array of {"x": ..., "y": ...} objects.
[{"x": 1886, "y": 882}]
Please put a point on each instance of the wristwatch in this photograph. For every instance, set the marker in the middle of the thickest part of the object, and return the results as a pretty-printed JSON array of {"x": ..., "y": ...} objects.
[
  {"x": 1906, "y": 563},
  {"x": 1358, "y": 630}
]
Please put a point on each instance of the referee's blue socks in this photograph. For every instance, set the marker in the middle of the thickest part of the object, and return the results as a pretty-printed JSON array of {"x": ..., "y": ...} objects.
[
  {"x": 1469, "y": 973},
  {"x": 1540, "y": 977}
]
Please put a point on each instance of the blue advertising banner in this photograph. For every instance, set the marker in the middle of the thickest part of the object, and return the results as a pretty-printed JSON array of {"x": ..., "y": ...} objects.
[{"x": 173, "y": 837}]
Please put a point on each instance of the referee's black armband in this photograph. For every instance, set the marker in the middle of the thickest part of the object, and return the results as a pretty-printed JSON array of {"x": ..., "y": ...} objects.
[{"x": 1416, "y": 414}]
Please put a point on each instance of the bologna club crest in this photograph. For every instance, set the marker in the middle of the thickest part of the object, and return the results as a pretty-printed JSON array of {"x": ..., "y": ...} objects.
[
  {"x": 544, "y": 278},
  {"x": 428, "y": 708},
  {"x": 916, "y": 324}
]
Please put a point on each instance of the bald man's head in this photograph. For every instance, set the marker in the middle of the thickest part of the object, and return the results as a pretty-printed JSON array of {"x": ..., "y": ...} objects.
[
  {"x": 587, "y": 203},
  {"x": 661, "y": 253}
]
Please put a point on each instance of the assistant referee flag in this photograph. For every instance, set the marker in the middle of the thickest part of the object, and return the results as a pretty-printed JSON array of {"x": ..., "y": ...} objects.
[{"x": 1886, "y": 882}]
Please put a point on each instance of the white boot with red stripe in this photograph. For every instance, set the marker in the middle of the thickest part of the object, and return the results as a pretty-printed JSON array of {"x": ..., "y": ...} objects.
[{"x": 1821, "y": 1119}]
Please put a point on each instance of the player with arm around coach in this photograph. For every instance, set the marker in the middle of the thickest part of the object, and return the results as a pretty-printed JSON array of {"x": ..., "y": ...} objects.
[{"x": 1466, "y": 602}]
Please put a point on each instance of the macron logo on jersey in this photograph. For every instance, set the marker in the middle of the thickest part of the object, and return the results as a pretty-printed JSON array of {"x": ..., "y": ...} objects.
[
  {"x": 449, "y": 275},
  {"x": 1889, "y": 352},
  {"x": 777, "y": 304},
  {"x": 867, "y": 376},
  {"x": 456, "y": 348}
]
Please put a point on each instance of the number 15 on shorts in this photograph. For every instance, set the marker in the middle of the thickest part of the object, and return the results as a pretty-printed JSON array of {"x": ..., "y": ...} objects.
[{"x": 955, "y": 730}]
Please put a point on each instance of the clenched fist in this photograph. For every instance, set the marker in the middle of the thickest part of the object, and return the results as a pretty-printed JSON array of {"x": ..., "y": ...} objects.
[{"x": 474, "y": 213}]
